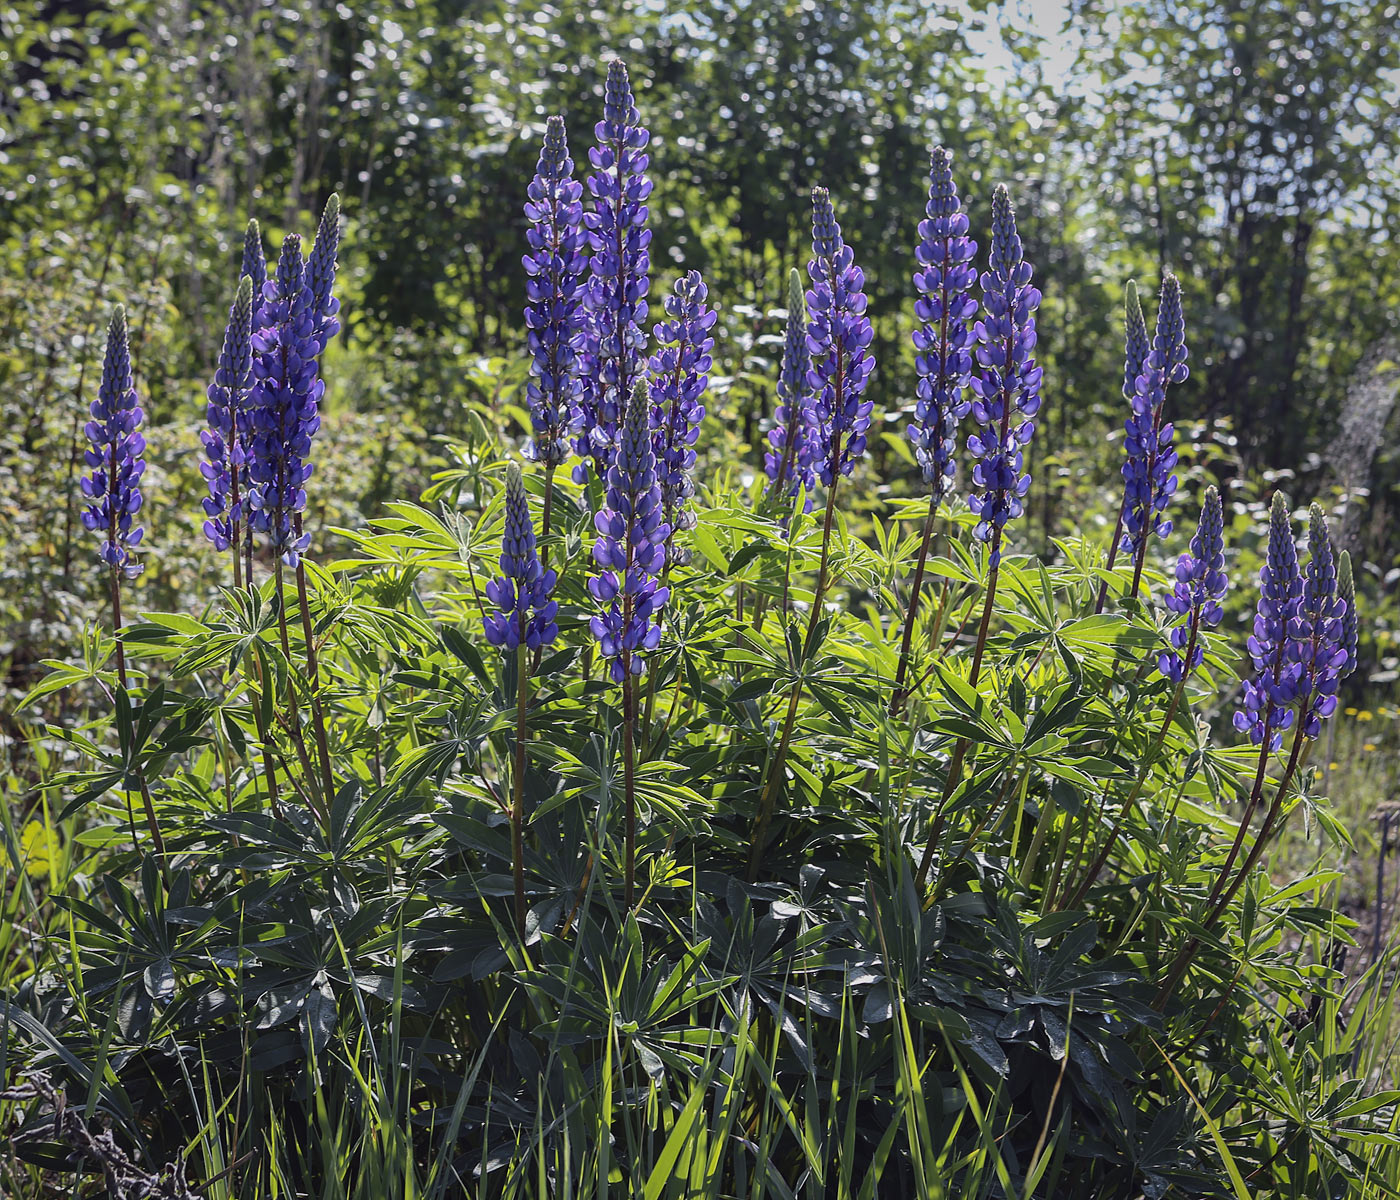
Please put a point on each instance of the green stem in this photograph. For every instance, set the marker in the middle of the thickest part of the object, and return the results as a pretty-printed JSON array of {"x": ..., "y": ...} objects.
[
  {"x": 900, "y": 691},
  {"x": 517, "y": 808}
]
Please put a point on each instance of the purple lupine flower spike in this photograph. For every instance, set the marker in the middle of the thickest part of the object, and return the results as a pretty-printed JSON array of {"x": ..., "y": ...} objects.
[
  {"x": 1316, "y": 635},
  {"x": 254, "y": 264},
  {"x": 524, "y": 592},
  {"x": 631, "y": 548},
  {"x": 553, "y": 296},
  {"x": 320, "y": 274},
  {"x": 1346, "y": 592},
  {"x": 1200, "y": 584},
  {"x": 284, "y": 405},
  {"x": 793, "y": 438},
  {"x": 1135, "y": 344},
  {"x": 838, "y": 339},
  {"x": 1147, "y": 472},
  {"x": 680, "y": 373},
  {"x": 613, "y": 341},
  {"x": 226, "y": 438},
  {"x": 942, "y": 341},
  {"x": 114, "y": 458},
  {"x": 1268, "y": 697},
  {"x": 1008, "y": 385}
]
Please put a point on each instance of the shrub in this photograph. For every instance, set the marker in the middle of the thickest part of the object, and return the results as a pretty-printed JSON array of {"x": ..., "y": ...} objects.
[{"x": 686, "y": 843}]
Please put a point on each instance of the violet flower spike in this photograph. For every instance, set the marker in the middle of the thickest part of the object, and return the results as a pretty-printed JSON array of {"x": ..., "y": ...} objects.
[
  {"x": 612, "y": 344},
  {"x": 1135, "y": 344},
  {"x": 524, "y": 591},
  {"x": 320, "y": 274},
  {"x": 631, "y": 549},
  {"x": 1346, "y": 591},
  {"x": 553, "y": 296},
  {"x": 284, "y": 405},
  {"x": 1269, "y": 696},
  {"x": 225, "y": 441},
  {"x": 942, "y": 340},
  {"x": 254, "y": 264},
  {"x": 1200, "y": 585},
  {"x": 1147, "y": 471},
  {"x": 115, "y": 456},
  {"x": 789, "y": 463},
  {"x": 838, "y": 340},
  {"x": 1316, "y": 631},
  {"x": 1008, "y": 385},
  {"x": 680, "y": 372}
]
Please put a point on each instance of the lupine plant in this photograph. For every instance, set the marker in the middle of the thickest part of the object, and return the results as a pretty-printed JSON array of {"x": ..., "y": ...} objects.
[{"x": 861, "y": 915}]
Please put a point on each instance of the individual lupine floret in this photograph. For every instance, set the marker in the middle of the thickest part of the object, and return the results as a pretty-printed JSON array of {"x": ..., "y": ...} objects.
[
  {"x": 225, "y": 440},
  {"x": 114, "y": 457},
  {"x": 838, "y": 340},
  {"x": 553, "y": 296},
  {"x": 613, "y": 341},
  {"x": 631, "y": 548},
  {"x": 320, "y": 274},
  {"x": 1008, "y": 385},
  {"x": 942, "y": 340},
  {"x": 1346, "y": 591},
  {"x": 680, "y": 373},
  {"x": 1269, "y": 696},
  {"x": 1200, "y": 584},
  {"x": 524, "y": 592},
  {"x": 793, "y": 438},
  {"x": 254, "y": 264},
  {"x": 1147, "y": 470},
  {"x": 1316, "y": 631},
  {"x": 284, "y": 405}
]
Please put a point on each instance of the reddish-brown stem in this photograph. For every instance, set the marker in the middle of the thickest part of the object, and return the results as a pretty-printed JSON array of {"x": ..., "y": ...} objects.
[
  {"x": 1112, "y": 555},
  {"x": 517, "y": 808}
]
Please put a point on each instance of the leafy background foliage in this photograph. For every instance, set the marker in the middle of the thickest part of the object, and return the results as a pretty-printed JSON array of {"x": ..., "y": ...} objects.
[{"x": 338, "y": 1007}]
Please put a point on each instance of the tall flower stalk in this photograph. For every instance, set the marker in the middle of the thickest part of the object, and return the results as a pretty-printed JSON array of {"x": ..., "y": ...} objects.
[
  {"x": 1300, "y": 639},
  {"x": 943, "y": 362},
  {"x": 1007, "y": 387},
  {"x": 838, "y": 340},
  {"x": 1135, "y": 351},
  {"x": 112, "y": 489},
  {"x": 630, "y": 553},
  {"x": 553, "y": 305},
  {"x": 225, "y": 466},
  {"x": 524, "y": 621},
  {"x": 254, "y": 263},
  {"x": 793, "y": 439},
  {"x": 285, "y": 415},
  {"x": 1147, "y": 471},
  {"x": 613, "y": 340},
  {"x": 1196, "y": 601}
]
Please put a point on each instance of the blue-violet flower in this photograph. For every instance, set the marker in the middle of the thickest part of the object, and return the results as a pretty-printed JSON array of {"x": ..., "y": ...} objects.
[
  {"x": 1315, "y": 633},
  {"x": 1200, "y": 584},
  {"x": 114, "y": 458},
  {"x": 793, "y": 438},
  {"x": 524, "y": 592},
  {"x": 225, "y": 441},
  {"x": 1268, "y": 697}
]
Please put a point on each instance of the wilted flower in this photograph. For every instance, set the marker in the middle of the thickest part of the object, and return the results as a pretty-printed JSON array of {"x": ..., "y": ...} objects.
[
  {"x": 553, "y": 296},
  {"x": 284, "y": 404},
  {"x": 631, "y": 548},
  {"x": 1147, "y": 471},
  {"x": 1269, "y": 695},
  {"x": 942, "y": 340},
  {"x": 1008, "y": 386},
  {"x": 612, "y": 342},
  {"x": 1316, "y": 632},
  {"x": 112, "y": 486},
  {"x": 680, "y": 372},
  {"x": 793, "y": 438},
  {"x": 838, "y": 339},
  {"x": 1200, "y": 584},
  {"x": 226, "y": 438},
  {"x": 524, "y": 592}
]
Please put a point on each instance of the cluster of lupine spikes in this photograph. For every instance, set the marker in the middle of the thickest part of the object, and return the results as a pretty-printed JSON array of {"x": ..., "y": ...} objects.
[
  {"x": 264, "y": 403},
  {"x": 635, "y": 421}
]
